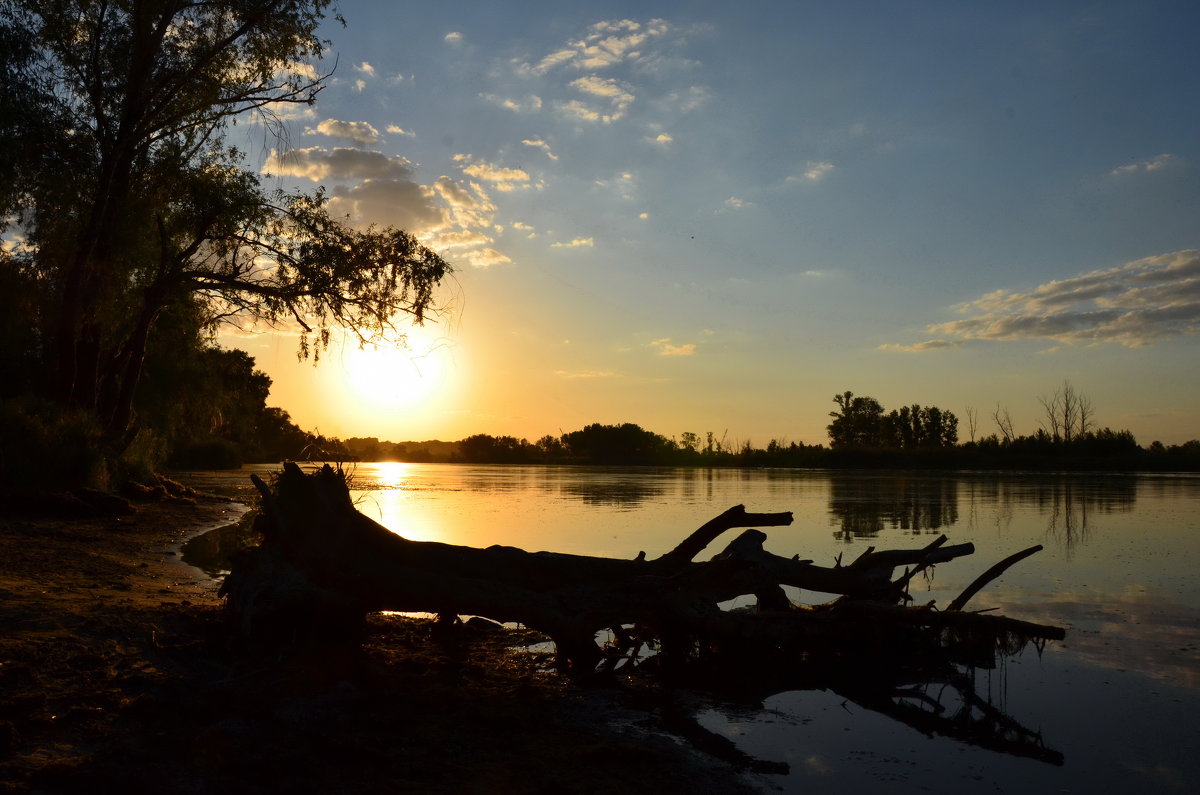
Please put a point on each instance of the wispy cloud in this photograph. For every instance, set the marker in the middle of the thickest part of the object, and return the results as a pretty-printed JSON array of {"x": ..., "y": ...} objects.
[
  {"x": 614, "y": 92},
  {"x": 453, "y": 37},
  {"x": 396, "y": 129},
  {"x": 530, "y": 102},
  {"x": 1134, "y": 305},
  {"x": 579, "y": 242},
  {"x": 1153, "y": 164},
  {"x": 585, "y": 373},
  {"x": 360, "y": 132},
  {"x": 917, "y": 347},
  {"x": 538, "y": 143},
  {"x": 504, "y": 179},
  {"x": 665, "y": 347},
  {"x": 735, "y": 203},
  {"x": 365, "y": 68},
  {"x": 814, "y": 171},
  {"x": 606, "y": 44}
]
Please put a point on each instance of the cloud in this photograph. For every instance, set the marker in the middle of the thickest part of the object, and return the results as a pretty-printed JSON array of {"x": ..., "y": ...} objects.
[
  {"x": 666, "y": 348},
  {"x": 485, "y": 258},
  {"x": 579, "y": 242},
  {"x": 605, "y": 45},
  {"x": 470, "y": 207},
  {"x": 360, "y": 86},
  {"x": 927, "y": 345},
  {"x": 690, "y": 99},
  {"x": 734, "y": 203},
  {"x": 585, "y": 374},
  {"x": 453, "y": 37},
  {"x": 663, "y": 139},
  {"x": 304, "y": 70},
  {"x": 1153, "y": 164},
  {"x": 341, "y": 163},
  {"x": 814, "y": 171},
  {"x": 504, "y": 179},
  {"x": 1134, "y": 305},
  {"x": 365, "y": 68},
  {"x": 530, "y": 103},
  {"x": 360, "y": 132},
  {"x": 389, "y": 202},
  {"x": 396, "y": 129},
  {"x": 538, "y": 143}
]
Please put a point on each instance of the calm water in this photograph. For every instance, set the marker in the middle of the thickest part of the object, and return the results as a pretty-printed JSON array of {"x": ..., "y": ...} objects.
[{"x": 1119, "y": 699}]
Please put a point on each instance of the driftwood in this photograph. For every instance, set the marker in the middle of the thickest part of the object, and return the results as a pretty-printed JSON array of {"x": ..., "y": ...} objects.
[{"x": 322, "y": 566}]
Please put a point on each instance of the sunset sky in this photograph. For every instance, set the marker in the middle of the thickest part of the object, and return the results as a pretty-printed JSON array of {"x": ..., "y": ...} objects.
[{"x": 713, "y": 216}]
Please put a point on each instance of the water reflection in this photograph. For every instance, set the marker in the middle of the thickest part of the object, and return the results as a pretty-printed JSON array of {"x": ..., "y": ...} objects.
[{"x": 864, "y": 506}]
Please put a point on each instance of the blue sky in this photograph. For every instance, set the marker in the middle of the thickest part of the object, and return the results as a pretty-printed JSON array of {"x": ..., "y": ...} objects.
[{"x": 715, "y": 216}]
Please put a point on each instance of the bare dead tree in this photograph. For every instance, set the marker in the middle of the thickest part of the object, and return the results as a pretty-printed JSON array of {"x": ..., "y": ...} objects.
[
  {"x": 1051, "y": 417},
  {"x": 1069, "y": 414},
  {"x": 972, "y": 421},
  {"x": 1003, "y": 422}
]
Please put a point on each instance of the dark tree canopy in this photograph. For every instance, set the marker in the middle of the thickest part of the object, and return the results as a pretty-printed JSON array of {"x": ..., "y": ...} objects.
[{"x": 118, "y": 178}]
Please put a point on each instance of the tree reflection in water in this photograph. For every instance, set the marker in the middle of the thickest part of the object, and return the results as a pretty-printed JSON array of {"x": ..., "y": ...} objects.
[
  {"x": 862, "y": 507},
  {"x": 928, "y": 684}
]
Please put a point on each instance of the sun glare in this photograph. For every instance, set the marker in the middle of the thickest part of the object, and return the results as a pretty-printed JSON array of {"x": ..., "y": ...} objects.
[{"x": 386, "y": 379}]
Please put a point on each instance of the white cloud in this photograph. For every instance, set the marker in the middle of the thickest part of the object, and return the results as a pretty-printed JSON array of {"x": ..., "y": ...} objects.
[
  {"x": 734, "y": 203},
  {"x": 396, "y": 129},
  {"x": 365, "y": 68},
  {"x": 814, "y": 171},
  {"x": 360, "y": 85},
  {"x": 453, "y": 37},
  {"x": 341, "y": 163},
  {"x": 538, "y": 143},
  {"x": 1153, "y": 164},
  {"x": 1134, "y": 305},
  {"x": 530, "y": 103},
  {"x": 485, "y": 258},
  {"x": 665, "y": 347},
  {"x": 504, "y": 179},
  {"x": 663, "y": 139},
  {"x": 605, "y": 45},
  {"x": 360, "y": 132},
  {"x": 304, "y": 70},
  {"x": 643, "y": 216},
  {"x": 579, "y": 242}
]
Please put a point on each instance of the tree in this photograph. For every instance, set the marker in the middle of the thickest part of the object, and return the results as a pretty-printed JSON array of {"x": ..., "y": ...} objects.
[
  {"x": 1004, "y": 424},
  {"x": 1067, "y": 414},
  {"x": 857, "y": 424},
  {"x": 132, "y": 202}
]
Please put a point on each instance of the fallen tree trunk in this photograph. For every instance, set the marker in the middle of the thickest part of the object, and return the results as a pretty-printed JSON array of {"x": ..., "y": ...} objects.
[{"x": 322, "y": 566}]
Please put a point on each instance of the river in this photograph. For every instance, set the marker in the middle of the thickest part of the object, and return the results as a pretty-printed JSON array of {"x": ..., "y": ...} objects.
[{"x": 1116, "y": 705}]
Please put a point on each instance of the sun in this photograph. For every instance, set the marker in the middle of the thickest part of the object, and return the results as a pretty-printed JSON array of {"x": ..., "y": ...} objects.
[{"x": 387, "y": 378}]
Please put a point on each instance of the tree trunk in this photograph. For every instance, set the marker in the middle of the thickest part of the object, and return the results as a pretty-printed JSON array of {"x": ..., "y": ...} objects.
[{"x": 322, "y": 566}]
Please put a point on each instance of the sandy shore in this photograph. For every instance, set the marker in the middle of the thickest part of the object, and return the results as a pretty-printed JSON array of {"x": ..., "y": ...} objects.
[{"x": 116, "y": 675}]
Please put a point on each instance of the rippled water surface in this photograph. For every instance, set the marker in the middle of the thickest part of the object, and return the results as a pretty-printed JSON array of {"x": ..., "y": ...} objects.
[{"x": 1117, "y": 705}]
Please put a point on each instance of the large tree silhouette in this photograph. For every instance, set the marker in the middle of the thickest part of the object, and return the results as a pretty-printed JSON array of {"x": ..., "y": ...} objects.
[{"x": 130, "y": 200}]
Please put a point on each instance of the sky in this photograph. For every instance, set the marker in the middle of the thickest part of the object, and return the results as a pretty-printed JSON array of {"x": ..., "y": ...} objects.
[{"x": 714, "y": 216}]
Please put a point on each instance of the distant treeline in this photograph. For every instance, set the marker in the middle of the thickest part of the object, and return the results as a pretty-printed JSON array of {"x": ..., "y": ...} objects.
[{"x": 630, "y": 445}]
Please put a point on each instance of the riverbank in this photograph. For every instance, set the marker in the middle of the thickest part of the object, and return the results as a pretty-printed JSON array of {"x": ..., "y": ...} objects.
[{"x": 116, "y": 675}]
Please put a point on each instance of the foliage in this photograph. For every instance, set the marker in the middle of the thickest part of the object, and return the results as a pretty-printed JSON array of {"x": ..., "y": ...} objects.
[{"x": 131, "y": 206}]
